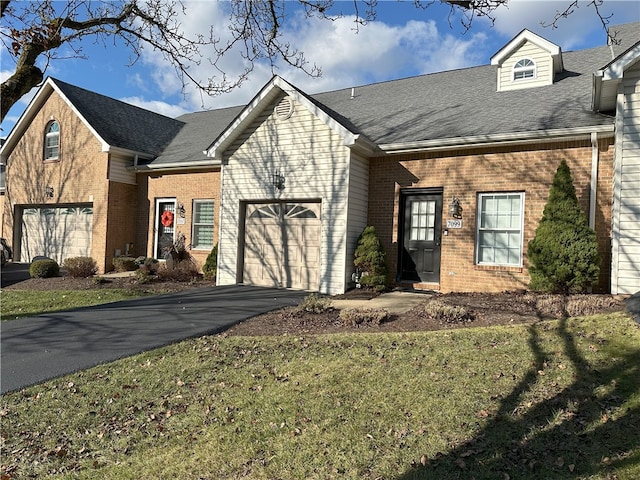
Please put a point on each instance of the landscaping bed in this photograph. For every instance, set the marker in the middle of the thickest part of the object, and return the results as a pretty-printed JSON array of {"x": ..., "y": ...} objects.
[{"x": 483, "y": 309}]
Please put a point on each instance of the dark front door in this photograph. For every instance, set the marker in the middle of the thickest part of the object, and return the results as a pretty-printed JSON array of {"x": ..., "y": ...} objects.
[{"x": 421, "y": 233}]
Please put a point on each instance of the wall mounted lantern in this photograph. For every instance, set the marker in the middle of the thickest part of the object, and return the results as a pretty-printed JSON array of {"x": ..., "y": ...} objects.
[
  {"x": 48, "y": 191},
  {"x": 455, "y": 210},
  {"x": 278, "y": 180},
  {"x": 180, "y": 210}
]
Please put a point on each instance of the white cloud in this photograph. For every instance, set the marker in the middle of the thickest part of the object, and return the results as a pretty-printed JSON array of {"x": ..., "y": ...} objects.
[
  {"x": 581, "y": 29},
  {"x": 377, "y": 52},
  {"x": 157, "y": 106}
]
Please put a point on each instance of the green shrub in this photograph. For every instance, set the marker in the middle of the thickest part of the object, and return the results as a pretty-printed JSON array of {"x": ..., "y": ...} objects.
[
  {"x": 125, "y": 264},
  {"x": 439, "y": 310},
  {"x": 44, "y": 268},
  {"x": 210, "y": 267},
  {"x": 356, "y": 317},
  {"x": 80, "y": 267},
  {"x": 563, "y": 255},
  {"x": 312, "y": 303},
  {"x": 143, "y": 275},
  {"x": 370, "y": 260}
]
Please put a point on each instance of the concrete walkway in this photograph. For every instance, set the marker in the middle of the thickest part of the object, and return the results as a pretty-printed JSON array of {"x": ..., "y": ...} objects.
[{"x": 39, "y": 348}]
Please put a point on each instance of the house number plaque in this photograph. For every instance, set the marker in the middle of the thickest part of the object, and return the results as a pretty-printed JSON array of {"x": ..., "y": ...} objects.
[{"x": 455, "y": 223}]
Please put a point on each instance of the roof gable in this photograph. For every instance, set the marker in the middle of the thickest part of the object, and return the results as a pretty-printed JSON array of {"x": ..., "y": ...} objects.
[
  {"x": 117, "y": 125},
  {"x": 527, "y": 61},
  {"x": 272, "y": 90},
  {"x": 528, "y": 36}
]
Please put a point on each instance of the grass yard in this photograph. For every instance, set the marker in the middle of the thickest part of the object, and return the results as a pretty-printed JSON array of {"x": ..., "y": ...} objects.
[
  {"x": 559, "y": 399},
  {"x": 23, "y": 303}
]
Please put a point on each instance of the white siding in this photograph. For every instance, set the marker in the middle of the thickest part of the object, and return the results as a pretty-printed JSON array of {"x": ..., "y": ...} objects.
[
  {"x": 544, "y": 68},
  {"x": 314, "y": 161},
  {"x": 357, "y": 208},
  {"x": 626, "y": 208},
  {"x": 118, "y": 170}
]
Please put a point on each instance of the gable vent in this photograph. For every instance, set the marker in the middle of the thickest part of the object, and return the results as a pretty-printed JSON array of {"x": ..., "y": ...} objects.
[{"x": 284, "y": 108}]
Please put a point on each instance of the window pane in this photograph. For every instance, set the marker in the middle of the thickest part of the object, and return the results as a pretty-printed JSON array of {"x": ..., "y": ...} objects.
[
  {"x": 203, "y": 219},
  {"x": 499, "y": 233}
]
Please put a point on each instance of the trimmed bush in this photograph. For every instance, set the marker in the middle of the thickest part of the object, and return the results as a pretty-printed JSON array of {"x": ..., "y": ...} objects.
[
  {"x": 183, "y": 271},
  {"x": 439, "y": 310},
  {"x": 80, "y": 267},
  {"x": 312, "y": 303},
  {"x": 357, "y": 317},
  {"x": 370, "y": 260},
  {"x": 125, "y": 264},
  {"x": 563, "y": 255},
  {"x": 210, "y": 267},
  {"x": 44, "y": 268},
  {"x": 148, "y": 264}
]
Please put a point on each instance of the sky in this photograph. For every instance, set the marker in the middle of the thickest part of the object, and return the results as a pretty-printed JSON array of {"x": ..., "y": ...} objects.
[{"x": 403, "y": 41}]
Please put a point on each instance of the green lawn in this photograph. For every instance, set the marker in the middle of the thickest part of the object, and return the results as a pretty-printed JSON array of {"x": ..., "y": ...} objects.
[
  {"x": 22, "y": 303},
  {"x": 558, "y": 400}
]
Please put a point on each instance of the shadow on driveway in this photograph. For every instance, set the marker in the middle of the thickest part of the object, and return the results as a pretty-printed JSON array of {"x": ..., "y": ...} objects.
[{"x": 39, "y": 348}]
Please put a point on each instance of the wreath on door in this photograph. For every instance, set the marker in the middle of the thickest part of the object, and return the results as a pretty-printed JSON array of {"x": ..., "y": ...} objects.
[{"x": 167, "y": 218}]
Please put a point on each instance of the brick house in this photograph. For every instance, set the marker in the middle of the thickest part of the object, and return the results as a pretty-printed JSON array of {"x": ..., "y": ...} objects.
[{"x": 286, "y": 183}]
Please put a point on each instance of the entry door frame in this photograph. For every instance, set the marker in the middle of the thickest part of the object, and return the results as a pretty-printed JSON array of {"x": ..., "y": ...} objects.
[
  {"x": 404, "y": 259},
  {"x": 158, "y": 228}
]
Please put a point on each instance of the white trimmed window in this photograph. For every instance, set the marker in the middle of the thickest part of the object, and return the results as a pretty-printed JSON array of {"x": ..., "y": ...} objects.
[
  {"x": 202, "y": 225},
  {"x": 524, "y": 69},
  {"x": 52, "y": 141},
  {"x": 500, "y": 224}
]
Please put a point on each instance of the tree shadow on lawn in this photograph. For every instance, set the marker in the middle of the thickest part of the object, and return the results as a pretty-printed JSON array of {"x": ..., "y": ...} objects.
[{"x": 579, "y": 432}]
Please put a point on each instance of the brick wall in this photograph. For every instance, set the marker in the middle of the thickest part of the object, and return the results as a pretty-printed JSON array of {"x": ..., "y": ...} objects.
[
  {"x": 121, "y": 220},
  {"x": 184, "y": 187},
  {"x": 464, "y": 174},
  {"x": 79, "y": 175}
]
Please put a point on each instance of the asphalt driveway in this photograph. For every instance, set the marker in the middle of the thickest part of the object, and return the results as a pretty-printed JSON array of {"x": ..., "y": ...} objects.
[{"x": 39, "y": 348}]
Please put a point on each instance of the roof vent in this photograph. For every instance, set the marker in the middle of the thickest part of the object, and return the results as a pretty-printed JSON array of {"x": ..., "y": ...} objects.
[{"x": 284, "y": 108}]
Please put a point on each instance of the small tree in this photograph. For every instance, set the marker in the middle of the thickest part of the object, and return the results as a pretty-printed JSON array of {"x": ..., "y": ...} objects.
[
  {"x": 210, "y": 267},
  {"x": 563, "y": 255},
  {"x": 370, "y": 260}
]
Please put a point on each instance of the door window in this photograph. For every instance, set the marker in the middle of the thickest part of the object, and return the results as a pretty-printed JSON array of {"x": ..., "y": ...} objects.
[{"x": 423, "y": 220}]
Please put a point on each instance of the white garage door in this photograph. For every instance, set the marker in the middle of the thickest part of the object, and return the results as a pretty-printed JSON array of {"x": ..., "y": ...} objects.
[
  {"x": 56, "y": 232},
  {"x": 282, "y": 245}
]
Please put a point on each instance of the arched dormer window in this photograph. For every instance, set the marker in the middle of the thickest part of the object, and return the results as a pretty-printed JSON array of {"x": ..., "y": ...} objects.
[
  {"x": 524, "y": 69},
  {"x": 52, "y": 141}
]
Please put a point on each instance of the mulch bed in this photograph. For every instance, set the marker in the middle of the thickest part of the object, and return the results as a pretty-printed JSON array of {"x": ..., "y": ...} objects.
[{"x": 487, "y": 309}]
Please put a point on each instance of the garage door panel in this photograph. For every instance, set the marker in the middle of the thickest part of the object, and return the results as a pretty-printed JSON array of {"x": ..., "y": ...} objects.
[
  {"x": 56, "y": 232},
  {"x": 289, "y": 239}
]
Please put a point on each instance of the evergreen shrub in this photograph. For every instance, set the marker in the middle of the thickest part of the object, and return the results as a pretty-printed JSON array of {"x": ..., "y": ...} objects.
[
  {"x": 44, "y": 268},
  {"x": 210, "y": 267},
  {"x": 563, "y": 255},
  {"x": 125, "y": 264},
  {"x": 370, "y": 260}
]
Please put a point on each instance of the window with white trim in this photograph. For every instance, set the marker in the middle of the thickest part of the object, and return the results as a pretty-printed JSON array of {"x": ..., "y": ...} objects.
[
  {"x": 52, "y": 141},
  {"x": 524, "y": 69},
  {"x": 202, "y": 225},
  {"x": 500, "y": 223}
]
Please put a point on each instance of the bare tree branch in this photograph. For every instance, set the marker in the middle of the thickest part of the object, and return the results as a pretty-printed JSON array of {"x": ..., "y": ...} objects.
[{"x": 33, "y": 33}]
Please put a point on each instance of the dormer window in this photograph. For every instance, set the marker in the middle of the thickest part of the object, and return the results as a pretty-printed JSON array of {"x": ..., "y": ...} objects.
[
  {"x": 524, "y": 69},
  {"x": 52, "y": 141}
]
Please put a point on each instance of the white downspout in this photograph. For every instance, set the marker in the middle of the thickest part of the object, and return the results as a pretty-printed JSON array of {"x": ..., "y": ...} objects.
[{"x": 594, "y": 180}]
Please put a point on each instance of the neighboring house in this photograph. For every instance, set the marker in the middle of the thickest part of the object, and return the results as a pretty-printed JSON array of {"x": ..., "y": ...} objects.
[{"x": 287, "y": 183}]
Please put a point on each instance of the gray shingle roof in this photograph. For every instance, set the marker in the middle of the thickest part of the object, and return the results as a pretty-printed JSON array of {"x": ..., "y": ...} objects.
[
  {"x": 120, "y": 124},
  {"x": 463, "y": 103},
  {"x": 199, "y": 129},
  {"x": 445, "y": 105}
]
